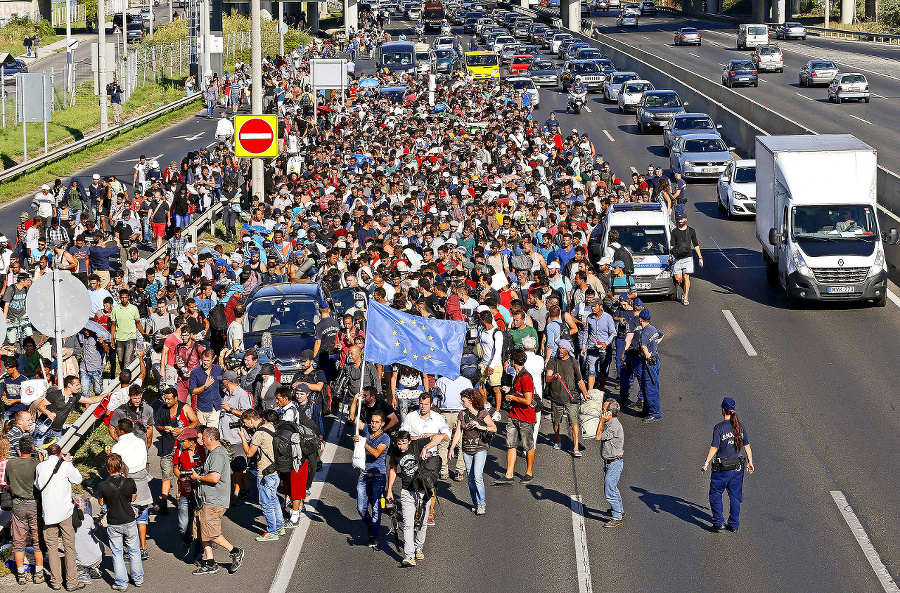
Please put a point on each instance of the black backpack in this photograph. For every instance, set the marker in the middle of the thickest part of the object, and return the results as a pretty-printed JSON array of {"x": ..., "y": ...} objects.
[
  {"x": 507, "y": 348},
  {"x": 217, "y": 319},
  {"x": 622, "y": 254}
]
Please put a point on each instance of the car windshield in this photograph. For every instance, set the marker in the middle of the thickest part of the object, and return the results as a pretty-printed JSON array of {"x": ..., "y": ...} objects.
[
  {"x": 590, "y": 53},
  {"x": 834, "y": 222},
  {"x": 823, "y": 66},
  {"x": 542, "y": 65},
  {"x": 523, "y": 60},
  {"x": 851, "y": 78},
  {"x": 757, "y": 30},
  {"x": 585, "y": 68},
  {"x": 620, "y": 78},
  {"x": 688, "y": 30},
  {"x": 705, "y": 145},
  {"x": 504, "y": 39},
  {"x": 522, "y": 84},
  {"x": 693, "y": 123},
  {"x": 769, "y": 51},
  {"x": 745, "y": 175},
  {"x": 442, "y": 53},
  {"x": 604, "y": 63},
  {"x": 397, "y": 58},
  {"x": 481, "y": 60},
  {"x": 662, "y": 101},
  {"x": 742, "y": 65},
  {"x": 433, "y": 14},
  {"x": 644, "y": 240},
  {"x": 282, "y": 314},
  {"x": 792, "y": 25},
  {"x": 639, "y": 87},
  {"x": 422, "y": 56}
]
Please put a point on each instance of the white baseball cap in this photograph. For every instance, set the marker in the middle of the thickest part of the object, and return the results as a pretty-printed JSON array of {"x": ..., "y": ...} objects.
[
  {"x": 554, "y": 265},
  {"x": 96, "y": 176}
]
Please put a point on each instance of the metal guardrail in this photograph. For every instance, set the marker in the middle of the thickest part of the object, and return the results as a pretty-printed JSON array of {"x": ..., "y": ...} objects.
[
  {"x": 859, "y": 35},
  {"x": 62, "y": 151},
  {"x": 84, "y": 425}
]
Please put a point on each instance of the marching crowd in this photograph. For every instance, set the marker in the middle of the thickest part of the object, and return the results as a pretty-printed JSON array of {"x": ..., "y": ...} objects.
[{"x": 469, "y": 210}]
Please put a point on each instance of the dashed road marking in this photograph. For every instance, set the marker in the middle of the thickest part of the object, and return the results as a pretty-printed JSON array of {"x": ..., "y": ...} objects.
[
  {"x": 693, "y": 54},
  {"x": 741, "y": 336},
  {"x": 865, "y": 121},
  {"x": 865, "y": 544},
  {"x": 588, "y": 109},
  {"x": 611, "y": 139},
  {"x": 804, "y": 96}
]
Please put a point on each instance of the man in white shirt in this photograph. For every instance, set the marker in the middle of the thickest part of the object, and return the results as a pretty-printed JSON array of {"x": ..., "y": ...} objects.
[
  {"x": 492, "y": 358},
  {"x": 451, "y": 405},
  {"x": 133, "y": 450},
  {"x": 224, "y": 128},
  {"x": 427, "y": 423},
  {"x": 534, "y": 364},
  {"x": 53, "y": 480}
]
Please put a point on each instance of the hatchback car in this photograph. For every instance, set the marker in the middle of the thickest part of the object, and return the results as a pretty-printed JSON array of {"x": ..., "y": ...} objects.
[
  {"x": 698, "y": 156},
  {"x": 613, "y": 84},
  {"x": 790, "y": 31},
  {"x": 818, "y": 72},
  {"x": 852, "y": 85},
  {"x": 627, "y": 20},
  {"x": 509, "y": 52},
  {"x": 544, "y": 73},
  {"x": 520, "y": 64},
  {"x": 687, "y": 123},
  {"x": 656, "y": 108},
  {"x": 768, "y": 58},
  {"x": 11, "y": 68},
  {"x": 736, "y": 189},
  {"x": 631, "y": 93},
  {"x": 739, "y": 72},
  {"x": 632, "y": 9},
  {"x": 557, "y": 40},
  {"x": 648, "y": 7},
  {"x": 526, "y": 85},
  {"x": 688, "y": 36}
]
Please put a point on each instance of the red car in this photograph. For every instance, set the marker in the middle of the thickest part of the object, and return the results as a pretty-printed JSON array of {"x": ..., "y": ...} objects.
[{"x": 520, "y": 64}]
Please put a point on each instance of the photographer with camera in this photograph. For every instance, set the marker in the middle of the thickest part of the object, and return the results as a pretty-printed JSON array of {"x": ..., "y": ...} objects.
[
  {"x": 267, "y": 479},
  {"x": 729, "y": 441},
  {"x": 235, "y": 402}
]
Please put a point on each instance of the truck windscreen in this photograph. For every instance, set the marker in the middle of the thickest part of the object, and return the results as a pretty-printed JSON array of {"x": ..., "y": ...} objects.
[{"x": 834, "y": 223}]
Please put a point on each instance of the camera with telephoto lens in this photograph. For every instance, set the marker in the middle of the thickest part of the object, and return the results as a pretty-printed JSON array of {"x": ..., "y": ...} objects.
[
  {"x": 235, "y": 425},
  {"x": 232, "y": 363}
]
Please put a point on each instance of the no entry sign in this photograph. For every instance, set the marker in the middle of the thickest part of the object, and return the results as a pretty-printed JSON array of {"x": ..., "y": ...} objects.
[{"x": 256, "y": 135}]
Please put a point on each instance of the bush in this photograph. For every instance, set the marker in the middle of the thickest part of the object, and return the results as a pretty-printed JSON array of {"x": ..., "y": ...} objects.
[{"x": 889, "y": 13}]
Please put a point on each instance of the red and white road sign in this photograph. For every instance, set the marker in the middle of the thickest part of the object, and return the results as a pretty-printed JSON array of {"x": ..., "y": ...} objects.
[{"x": 255, "y": 135}]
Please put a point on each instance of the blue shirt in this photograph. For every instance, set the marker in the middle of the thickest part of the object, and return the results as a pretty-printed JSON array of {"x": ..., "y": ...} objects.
[
  {"x": 210, "y": 398},
  {"x": 553, "y": 333},
  {"x": 376, "y": 465},
  {"x": 723, "y": 440},
  {"x": 600, "y": 328},
  {"x": 650, "y": 337},
  {"x": 205, "y": 306}
]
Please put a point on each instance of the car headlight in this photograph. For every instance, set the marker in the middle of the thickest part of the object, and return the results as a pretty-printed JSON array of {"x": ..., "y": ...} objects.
[
  {"x": 663, "y": 275},
  {"x": 800, "y": 263},
  {"x": 878, "y": 266},
  {"x": 739, "y": 196},
  {"x": 688, "y": 163}
]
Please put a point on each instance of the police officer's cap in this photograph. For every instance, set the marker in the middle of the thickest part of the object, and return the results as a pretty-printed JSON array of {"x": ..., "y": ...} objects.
[
  {"x": 623, "y": 298},
  {"x": 728, "y": 404},
  {"x": 645, "y": 314},
  {"x": 638, "y": 303}
]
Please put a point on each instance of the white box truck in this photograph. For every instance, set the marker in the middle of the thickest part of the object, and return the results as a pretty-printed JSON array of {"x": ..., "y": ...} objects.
[{"x": 816, "y": 218}]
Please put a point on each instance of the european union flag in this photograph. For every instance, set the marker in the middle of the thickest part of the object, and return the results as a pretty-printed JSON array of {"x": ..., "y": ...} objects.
[{"x": 433, "y": 346}]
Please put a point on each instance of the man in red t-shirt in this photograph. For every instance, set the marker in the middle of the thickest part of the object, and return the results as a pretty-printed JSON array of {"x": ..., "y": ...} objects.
[
  {"x": 520, "y": 427},
  {"x": 189, "y": 454}
]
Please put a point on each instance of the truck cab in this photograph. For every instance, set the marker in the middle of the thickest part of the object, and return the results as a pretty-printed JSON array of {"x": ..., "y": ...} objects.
[
  {"x": 483, "y": 64},
  {"x": 644, "y": 229},
  {"x": 397, "y": 56}
]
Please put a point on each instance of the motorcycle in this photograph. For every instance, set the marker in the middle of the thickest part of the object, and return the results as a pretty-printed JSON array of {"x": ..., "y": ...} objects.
[
  {"x": 576, "y": 101},
  {"x": 420, "y": 30},
  {"x": 445, "y": 29}
]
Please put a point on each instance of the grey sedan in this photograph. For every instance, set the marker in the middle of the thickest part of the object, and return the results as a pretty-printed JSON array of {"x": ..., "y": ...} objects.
[
  {"x": 700, "y": 155},
  {"x": 818, "y": 72},
  {"x": 613, "y": 84},
  {"x": 544, "y": 73},
  {"x": 688, "y": 36}
]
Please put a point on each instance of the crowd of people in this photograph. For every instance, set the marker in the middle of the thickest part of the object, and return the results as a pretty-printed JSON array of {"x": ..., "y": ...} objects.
[{"x": 468, "y": 209}]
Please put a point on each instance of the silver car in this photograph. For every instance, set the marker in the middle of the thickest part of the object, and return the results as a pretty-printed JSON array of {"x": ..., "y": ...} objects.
[
  {"x": 688, "y": 36},
  {"x": 818, "y": 72},
  {"x": 736, "y": 189},
  {"x": 613, "y": 84},
  {"x": 698, "y": 156},
  {"x": 687, "y": 123},
  {"x": 544, "y": 73},
  {"x": 790, "y": 31},
  {"x": 849, "y": 86},
  {"x": 631, "y": 92},
  {"x": 768, "y": 58}
]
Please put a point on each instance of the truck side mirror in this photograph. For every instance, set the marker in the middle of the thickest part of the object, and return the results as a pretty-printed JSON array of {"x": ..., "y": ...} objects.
[
  {"x": 774, "y": 237},
  {"x": 891, "y": 237}
]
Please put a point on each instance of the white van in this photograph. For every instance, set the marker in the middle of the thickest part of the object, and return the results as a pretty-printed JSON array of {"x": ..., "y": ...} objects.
[
  {"x": 752, "y": 35},
  {"x": 644, "y": 229}
]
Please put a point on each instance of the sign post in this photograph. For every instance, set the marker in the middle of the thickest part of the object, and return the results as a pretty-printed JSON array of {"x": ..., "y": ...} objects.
[{"x": 256, "y": 136}]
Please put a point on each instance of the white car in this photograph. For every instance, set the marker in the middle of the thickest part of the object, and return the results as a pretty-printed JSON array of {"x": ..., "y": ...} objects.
[
  {"x": 557, "y": 41},
  {"x": 525, "y": 84},
  {"x": 502, "y": 41},
  {"x": 631, "y": 92},
  {"x": 736, "y": 190},
  {"x": 414, "y": 13}
]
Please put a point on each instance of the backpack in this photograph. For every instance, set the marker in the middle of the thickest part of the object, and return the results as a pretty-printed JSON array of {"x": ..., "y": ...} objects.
[
  {"x": 522, "y": 262},
  {"x": 468, "y": 366},
  {"x": 217, "y": 319},
  {"x": 507, "y": 348},
  {"x": 622, "y": 254},
  {"x": 159, "y": 338}
]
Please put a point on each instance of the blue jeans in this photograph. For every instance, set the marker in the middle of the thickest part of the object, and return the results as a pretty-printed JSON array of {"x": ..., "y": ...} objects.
[
  {"x": 630, "y": 372},
  {"x": 733, "y": 481},
  {"x": 597, "y": 361},
  {"x": 185, "y": 512},
  {"x": 43, "y": 434},
  {"x": 475, "y": 469},
  {"x": 182, "y": 220},
  {"x": 369, "y": 490},
  {"x": 268, "y": 501},
  {"x": 611, "y": 487},
  {"x": 120, "y": 537},
  {"x": 91, "y": 382},
  {"x": 210, "y": 104}
]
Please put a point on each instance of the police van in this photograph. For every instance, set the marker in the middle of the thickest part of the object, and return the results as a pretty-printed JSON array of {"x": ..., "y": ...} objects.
[{"x": 644, "y": 229}]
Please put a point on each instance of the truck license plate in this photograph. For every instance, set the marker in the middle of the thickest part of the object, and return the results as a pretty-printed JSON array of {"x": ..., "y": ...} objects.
[
  {"x": 642, "y": 286},
  {"x": 841, "y": 289},
  {"x": 709, "y": 170}
]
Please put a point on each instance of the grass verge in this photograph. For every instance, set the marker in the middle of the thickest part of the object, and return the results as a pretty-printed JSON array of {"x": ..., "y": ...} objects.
[
  {"x": 90, "y": 458},
  {"x": 65, "y": 166}
]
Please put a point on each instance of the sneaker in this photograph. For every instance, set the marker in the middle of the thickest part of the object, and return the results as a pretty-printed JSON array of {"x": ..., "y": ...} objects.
[
  {"x": 207, "y": 568},
  {"x": 482, "y": 509},
  {"x": 267, "y": 537},
  {"x": 431, "y": 521},
  {"x": 717, "y": 528},
  {"x": 408, "y": 562},
  {"x": 576, "y": 453},
  {"x": 651, "y": 419},
  {"x": 237, "y": 558},
  {"x": 527, "y": 478},
  {"x": 76, "y": 587},
  {"x": 614, "y": 523},
  {"x": 281, "y": 532},
  {"x": 730, "y": 528},
  {"x": 145, "y": 554},
  {"x": 503, "y": 481},
  {"x": 685, "y": 302},
  {"x": 22, "y": 578},
  {"x": 141, "y": 584},
  {"x": 93, "y": 571},
  {"x": 373, "y": 543},
  {"x": 40, "y": 577},
  {"x": 637, "y": 405},
  {"x": 420, "y": 555},
  {"x": 496, "y": 416},
  {"x": 292, "y": 522},
  {"x": 557, "y": 446},
  {"x": 118, "y": 588}
]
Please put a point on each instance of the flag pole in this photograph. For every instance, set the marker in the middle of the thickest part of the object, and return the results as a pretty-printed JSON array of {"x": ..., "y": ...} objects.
[{"x": 362, "y": 375}]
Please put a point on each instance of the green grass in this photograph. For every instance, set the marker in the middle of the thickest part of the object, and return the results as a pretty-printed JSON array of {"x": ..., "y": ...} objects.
[
  {"x": 14, "y": 32},
  {"x": 90, "y": 458},
  {"x": 65, "y": 166}
]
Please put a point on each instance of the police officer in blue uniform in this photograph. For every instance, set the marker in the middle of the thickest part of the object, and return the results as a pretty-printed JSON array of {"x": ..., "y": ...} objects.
[
  {"x": 729, "y": 442},
  {"x": 649, "y": 358},
  {"x": 630, "y": 371}
]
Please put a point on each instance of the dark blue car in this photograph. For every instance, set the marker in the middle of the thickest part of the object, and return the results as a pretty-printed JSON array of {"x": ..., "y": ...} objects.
[
  {"x": 11, "y": 67},
  {"x": 739, "y": 72}
]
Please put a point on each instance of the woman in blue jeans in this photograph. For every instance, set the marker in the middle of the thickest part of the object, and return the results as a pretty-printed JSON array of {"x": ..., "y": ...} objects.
[
  {"x": 118, "y": 492},
  {"x": 476, "y": 428},
  {"x": 373, "y": 477}
]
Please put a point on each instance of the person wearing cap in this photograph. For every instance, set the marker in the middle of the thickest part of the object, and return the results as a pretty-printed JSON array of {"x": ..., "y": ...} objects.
[
  {"x": 726, "y": 456},
  {"x": 18, "y": 324},
  {"x": 309, "y": 377},
  {"x": 620, "y": 283},
  {"x": 171, "y": 420},
  {"x": 565, "y": 388},
  {"x": 235, "y": 401},
  {"x": 649, "y": 344},
  {"x": 44, "y": 203},
  {"x": 684, "y": 245},
  {"x": 597, "y": 350},
  {"x": 189, "y": 454}
]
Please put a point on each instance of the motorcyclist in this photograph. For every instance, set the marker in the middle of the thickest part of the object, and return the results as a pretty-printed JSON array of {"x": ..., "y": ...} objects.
[{"x": 578, "y": 87}]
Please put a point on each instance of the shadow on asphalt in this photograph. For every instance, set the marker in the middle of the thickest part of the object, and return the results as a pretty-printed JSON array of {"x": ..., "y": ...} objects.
[{"x": 687, "y": 511}]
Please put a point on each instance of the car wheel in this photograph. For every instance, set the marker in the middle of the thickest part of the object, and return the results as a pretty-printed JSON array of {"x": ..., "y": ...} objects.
[
  {"x": 866, "y": 99},
  {"x": 792, "y": 301},
  {"x": 881, "y": 302},
  {"x": 837, "y": 99},
  {"x": 719, "y": 200},
  {"x": 728, "y": 213},
  {"x": 781, "y": 71},
  {"x": 620, "y": 108},
  {"x": 640, "y": 127},
  {"x": 756, "y": 83},
  {"x": 699, "y": 43}
]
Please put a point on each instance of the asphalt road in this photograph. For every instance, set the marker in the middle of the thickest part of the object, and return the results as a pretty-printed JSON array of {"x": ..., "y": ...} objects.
[{"x": 817, "y": 405}]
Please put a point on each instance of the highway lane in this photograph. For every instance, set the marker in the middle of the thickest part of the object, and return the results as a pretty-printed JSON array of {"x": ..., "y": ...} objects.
[
  {"x": 793, "y": 397},
  {"x": 876, "y": 123}
]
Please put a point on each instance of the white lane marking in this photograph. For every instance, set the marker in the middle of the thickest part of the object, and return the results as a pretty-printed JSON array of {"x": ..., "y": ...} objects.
[
  {"x": 633, "y": 170},
  {"x": 763, "y": 80},
  {"x": 588, "y": 109},
  {"x": 879, "y": 96},
  {"x": 291, "y": 555},
  {"x": 804, "y": 96},
  {"x": 645, "y": 37},
  {"x": 894, "y": 298},
  {"x": 611, "y": 139},
  {"x": 865, "y": 121},
  {"x": 734, "y": 265},
  {"x": 865, "y": 544},
  {"x": 582, "y": 564},
  {"x": 690, "y": 53},
  {"x": 741, "y": 336},
  {"x": 714, "y": 43}
]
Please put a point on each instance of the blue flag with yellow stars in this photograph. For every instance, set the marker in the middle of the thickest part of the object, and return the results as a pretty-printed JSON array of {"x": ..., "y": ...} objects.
[{"x": 433, "y": 346}]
